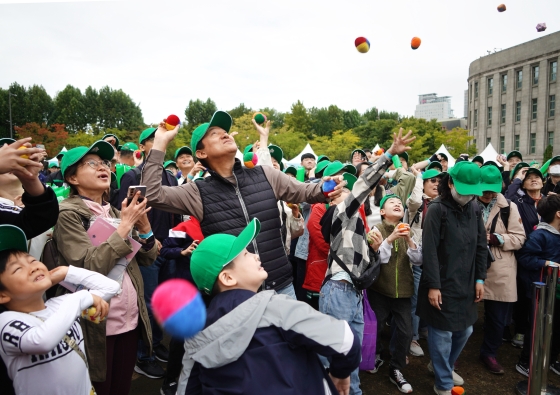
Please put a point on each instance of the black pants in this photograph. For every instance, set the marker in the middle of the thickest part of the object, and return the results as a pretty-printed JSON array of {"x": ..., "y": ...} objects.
[
  {"x": 521, "y": 309},
  {"x": 175, "y": 362},
  {"x": 496, "y": 317},
  {"x": 400, "y": 308},
  {"x": 299, "y": 278}
]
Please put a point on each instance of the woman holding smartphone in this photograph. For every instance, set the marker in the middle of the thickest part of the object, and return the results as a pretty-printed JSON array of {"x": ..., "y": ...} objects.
[{"x": 111, "y": 345}]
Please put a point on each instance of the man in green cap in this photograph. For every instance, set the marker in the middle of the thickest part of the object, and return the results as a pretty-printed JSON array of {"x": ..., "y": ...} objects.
[
  {"x": 232, "y": 195},
  {"x": 505, "y": 235},
  {"x": 513, "y": 158},
  {"x": 185, "y": 161},
  {"x": 552, "y": 184},
  {"x": 126, "y": 153}
]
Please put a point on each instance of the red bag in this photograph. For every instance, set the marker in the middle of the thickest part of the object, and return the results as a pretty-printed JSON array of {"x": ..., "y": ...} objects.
[{"x": 370, "y": 336}]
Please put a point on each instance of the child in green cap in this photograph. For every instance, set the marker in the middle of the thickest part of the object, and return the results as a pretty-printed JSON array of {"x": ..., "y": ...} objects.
[
  {"x": 42, "y": 342},
  {"x": 256, "y": 343}
]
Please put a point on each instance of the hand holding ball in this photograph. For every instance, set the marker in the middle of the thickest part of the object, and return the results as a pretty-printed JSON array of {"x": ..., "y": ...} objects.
[
  {"x": 138, "y": 154},
  {"x": 24, "y": 156},
  {"x": 89, "y": 314},
  {"x": 179, "y": 309},
  {"x": 172, "y": 121},
  {"x": 259, "y": 118},
  {"x": 328, "y": 187}
]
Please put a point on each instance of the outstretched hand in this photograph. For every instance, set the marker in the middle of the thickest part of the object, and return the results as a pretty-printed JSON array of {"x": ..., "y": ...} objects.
[
  {"x": 400, "y": 142},
  {"x": 263, "y": 131},
  {"x": 163, "y": 136}
]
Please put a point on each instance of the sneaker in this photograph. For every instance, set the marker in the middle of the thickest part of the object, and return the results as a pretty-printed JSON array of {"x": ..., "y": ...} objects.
[
  {"x": 161, "y": 353},
  {"x": 555, "y": 367},
  {"x": 457, "y": 380},
  {"x": 397, "y": 378},
  {"x": 415, "y": 349},
  {"x": 378, "y": 364},
  {"x": 149, "y": 369},
  {"x": 441, "y": 392},
  {"x": 523, "y": 368},
  {"x": 491, "y": 364},
  {"x": 518, "y": 340},
  {"x": 169, "y": 387}
]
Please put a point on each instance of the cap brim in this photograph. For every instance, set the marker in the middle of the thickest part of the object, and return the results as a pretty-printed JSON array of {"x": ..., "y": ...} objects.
[
  {"x": 12, "y": 238},
  {"x": 222, "y": 120},
  {"x": 246, "y": 236},
  {"x": 467, "y": 189},
  {"x": 183, "y": 150},
  {"x": 350, "y": 169},
  {"x": 101, "y": 148},
  {"x": 497, "y": 188},
  {"x": 350, "y": 179}
]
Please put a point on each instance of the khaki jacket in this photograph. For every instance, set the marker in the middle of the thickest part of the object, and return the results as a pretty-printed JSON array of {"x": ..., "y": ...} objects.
[
  {"x": 500, "y": 284},
  {"x": 75, "y": 249}
]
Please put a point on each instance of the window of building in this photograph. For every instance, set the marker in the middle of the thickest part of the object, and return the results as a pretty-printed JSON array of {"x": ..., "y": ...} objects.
[
  {"x": 474, "y": 142},
  {"x": 470, "y": 93},
  {"x": 534, "y": 109},
  {"x": 475, "y": 90},
  {"x": 551, "y": 138},
  {"x": 516, "y": 142},
  {"x": 551, "y": 105},
  {"x": 517, "y": 111},
  {"x": 502, "y": 144},
  {"x": 519, "y": 79},
  {"x": 475, "y": 121},
  {"x": 489, "y": 116},
  {"x": 488, "y": 140},
  {"x": 535, "y": 75},
  {"x": 490, "y": 86},
  {"x": 553, "y": 71},
  {"x": 503, "y": 114},
  {"x": 504, "y": 82},
  {"x": 533, "y": 143}
]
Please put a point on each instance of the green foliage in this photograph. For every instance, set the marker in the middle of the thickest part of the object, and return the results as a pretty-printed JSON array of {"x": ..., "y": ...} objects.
[
  {"x": 275, "y": 117},
  {"x": 298, "y": 120},
  {"x": 376, "y": 132},
  {"x": 338, "y": 147},
  {"x": 547, "y": 153},
  {"x": 457, "y": 142},
  {"x": 291, "y": 142},
  {"x": 198, "y": 112},
  {"x": 239, "y": 111}
]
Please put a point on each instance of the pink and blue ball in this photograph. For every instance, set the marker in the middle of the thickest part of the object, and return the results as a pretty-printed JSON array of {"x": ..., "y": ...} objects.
[
  {"x": 328, "y": 187},
  {"x": 179, "y": 309}
]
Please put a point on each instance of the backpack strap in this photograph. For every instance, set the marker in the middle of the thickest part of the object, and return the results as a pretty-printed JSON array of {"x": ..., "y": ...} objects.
[
  {"x": 504, "y": 215},
  {"x": 138, "y": 173}
]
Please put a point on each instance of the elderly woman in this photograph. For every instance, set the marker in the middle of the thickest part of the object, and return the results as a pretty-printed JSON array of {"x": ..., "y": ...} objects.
[{"x": 111, "y": 345}]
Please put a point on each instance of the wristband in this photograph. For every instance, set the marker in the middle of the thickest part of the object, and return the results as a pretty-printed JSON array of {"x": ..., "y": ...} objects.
[
  {"x": 480, "y": 281},
  {"x": 389, "y": 155},
  {"x": 146, "y": 235},
  {"x": 189, "y": 177}
]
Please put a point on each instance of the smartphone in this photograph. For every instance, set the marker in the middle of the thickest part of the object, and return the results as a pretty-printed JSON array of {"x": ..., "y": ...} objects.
[
  {"x": 132, "y": 191},
  {"x": 41, "y": 146}
]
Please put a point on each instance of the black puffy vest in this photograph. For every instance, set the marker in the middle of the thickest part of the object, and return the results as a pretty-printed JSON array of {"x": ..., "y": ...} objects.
[{"x": 228, "y": 209}]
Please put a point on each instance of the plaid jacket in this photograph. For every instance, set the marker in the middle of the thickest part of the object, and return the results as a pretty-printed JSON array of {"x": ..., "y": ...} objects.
[{"x": 348, "y": 235}]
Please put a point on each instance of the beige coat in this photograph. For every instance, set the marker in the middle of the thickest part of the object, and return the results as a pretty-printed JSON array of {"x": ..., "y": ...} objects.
[
  {"x": 500, "y": 284},
  {"x": 76, "y": 249}
]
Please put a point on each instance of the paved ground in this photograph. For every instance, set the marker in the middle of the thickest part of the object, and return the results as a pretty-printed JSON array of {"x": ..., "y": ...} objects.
[{"x": 477, "y": 379}]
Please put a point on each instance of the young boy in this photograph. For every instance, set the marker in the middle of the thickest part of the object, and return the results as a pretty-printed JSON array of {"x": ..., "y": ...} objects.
[
  {"x": 540, "y": 250},
  {"x": 394, "y": 287},
  {"x": 259, "y": 343},
  {"x": 42, "y": 342}
]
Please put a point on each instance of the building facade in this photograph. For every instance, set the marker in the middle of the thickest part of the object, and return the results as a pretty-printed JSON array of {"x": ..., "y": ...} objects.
[
  {"x": 513, "y": 96},
  {"x": 430, "y": 106}
]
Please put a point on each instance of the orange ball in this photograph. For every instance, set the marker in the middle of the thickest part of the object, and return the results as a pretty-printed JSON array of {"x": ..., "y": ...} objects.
[
  {"x": 457, "y": 391},
  {"x": 24, "y": 156},
  {"x": 402, "y": 226},
  {"x": 415, "y": 42}
]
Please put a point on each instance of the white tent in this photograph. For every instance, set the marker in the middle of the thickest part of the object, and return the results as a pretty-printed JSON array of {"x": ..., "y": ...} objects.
[
  {"x": 490, "y": 153},
  {"x": 376, "y": 148},
  {"x": 450, "y": 159},
  {"x": 239, "y": 155},
  {"x": 297, "y": 160}
]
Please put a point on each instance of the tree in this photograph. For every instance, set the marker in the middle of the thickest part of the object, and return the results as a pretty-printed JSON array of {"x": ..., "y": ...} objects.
[
  {"x": 247, "y": 134},
  {"x": 371, "y": 114},
  {"x": 547, "y": 153},
  {"x": 338, "y": 147},
  {"x": 376, "y": 132},
  {"x": 53, "y": 137},
  {"x": 352, "y": 119},
  {"x": 70, "y": 109},
  {"x": 298, "y": 119},
  {"x": 198, "y": 112},
  {"x": 456, "y": 141},
  {"x": 39, "y": 106},
  {"x": 118, "y": 110},
  {"x": 275, "y": 117},
  {"x": 239, "y": 111},
  {"x": 291, "y": 142}
]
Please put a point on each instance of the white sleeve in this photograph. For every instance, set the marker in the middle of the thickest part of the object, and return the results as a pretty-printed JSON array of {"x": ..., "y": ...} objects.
[
  {"x": 295, "y": 225},
  {"x": 415, "y": 255},
  {"x": 43, "y": 338},
  {"x": 385, "y": 252},
  {"x": 94, "y": 282},
  {"x": 263, "y": 154}
]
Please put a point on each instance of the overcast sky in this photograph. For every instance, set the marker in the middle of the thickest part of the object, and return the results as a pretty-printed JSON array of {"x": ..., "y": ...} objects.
[{"x": 262, "y": 53}]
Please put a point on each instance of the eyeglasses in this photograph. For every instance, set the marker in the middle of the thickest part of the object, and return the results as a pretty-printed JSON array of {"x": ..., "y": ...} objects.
[
  {"x": 94, "y": 164},
  {"x": 434, "y": 180}
]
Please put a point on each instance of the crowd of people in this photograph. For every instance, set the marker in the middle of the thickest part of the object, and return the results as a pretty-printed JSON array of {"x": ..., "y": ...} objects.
[{"x": 290, "y": 262}]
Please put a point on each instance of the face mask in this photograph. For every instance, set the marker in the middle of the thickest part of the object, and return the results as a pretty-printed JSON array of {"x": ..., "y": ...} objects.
[
  {"x": 554, "y": 170},
  {"x": 461, "y": 199}
]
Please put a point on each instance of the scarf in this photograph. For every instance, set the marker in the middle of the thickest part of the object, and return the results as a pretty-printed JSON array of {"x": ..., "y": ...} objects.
[{"x": 97, "y": 209}]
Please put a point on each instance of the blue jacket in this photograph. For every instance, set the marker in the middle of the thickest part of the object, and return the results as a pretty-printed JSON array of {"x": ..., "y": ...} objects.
[
  {"x": 266, "y": 343},
  {"x": 541, "y": 246},
  {"x": 525, "y": 204}
]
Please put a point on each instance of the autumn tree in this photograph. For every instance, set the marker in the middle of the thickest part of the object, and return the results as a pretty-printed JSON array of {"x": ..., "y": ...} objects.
[{"x": 53, "y": 137}]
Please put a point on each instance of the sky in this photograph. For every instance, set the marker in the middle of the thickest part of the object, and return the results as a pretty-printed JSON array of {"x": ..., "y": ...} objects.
[{"x": 261, "y": 53}]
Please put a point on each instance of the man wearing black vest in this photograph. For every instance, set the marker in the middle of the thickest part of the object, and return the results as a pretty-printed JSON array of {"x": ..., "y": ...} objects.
[{"x": 227, "y": 200}]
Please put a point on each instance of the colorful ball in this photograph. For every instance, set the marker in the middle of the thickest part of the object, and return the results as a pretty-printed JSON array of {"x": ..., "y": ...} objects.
[
  {"x": 328, "y": 187},
  {"x": 179, "y": 309},
  {"x": 172, "y": 121},
  {"x": 457, "y": 391},
  {"x": 541, "y": 27},
  {"x": 250, "y": 160},
  {"x": 501, "y": 7},
  {"x": 415, "y": 42},
  {"x": 23, "y": 156},
  {"x": 259, "y": 118},
  {"x": 379, "y": 152},
  {"x": 362, "y": 44}
]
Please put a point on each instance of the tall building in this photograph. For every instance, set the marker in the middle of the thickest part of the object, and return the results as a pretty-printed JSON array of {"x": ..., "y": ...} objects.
[
  {"x": 512, "y": 98},
  {"x": 466, "y": 104},
  {"x": 430, "y": 106}
]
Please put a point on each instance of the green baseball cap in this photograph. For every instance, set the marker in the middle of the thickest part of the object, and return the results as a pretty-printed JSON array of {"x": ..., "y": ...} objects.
[
  {"x": 277, "y": 153},
  {"x": 101, "y": 148},
  {"x": 321, "y": 166},
  {"x": 336, "y": 166},
  {"x": 350, "y": 179},
  {"x": 129, "y": 146},
  {"x": 532, "y": 170},
  {"x": 6, "y": 141},
  {"x": 216, "y": 251},
  {"x": 544, "y": 168},
  {"x": 443, "y": 155},
  {"x": 466, "y": 178},
  {"x": 434, "y": 165},
  {"x": 404, "y": 155},
  {"x": 12, "y": 238},
  {"x": 518, "y": 167},
  {"x": 387, "y": 197},
  {"x": 432, "y": 173},
  {"x": 220, "y": 119},
  {"x": 555, "y": 159},
  {"x": 61, "y": 154},
  {"x": 491, "y": 179},
  {"x": 360, "y": 151},
  {"x": 146, "y": 134},
  {"x": 291, "y": 170},
  {"x": 490, "y": 163},
  {"x": 183, "y": 150},
  {"x": 53, "y": 164},
  {"x": 111, "y": 135},
  {"x": 513, "y": 154},
  {"x": 169, "y": 162},
  {"x": 478, "y": 159},
  {"x": 322, "y": 158}
]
